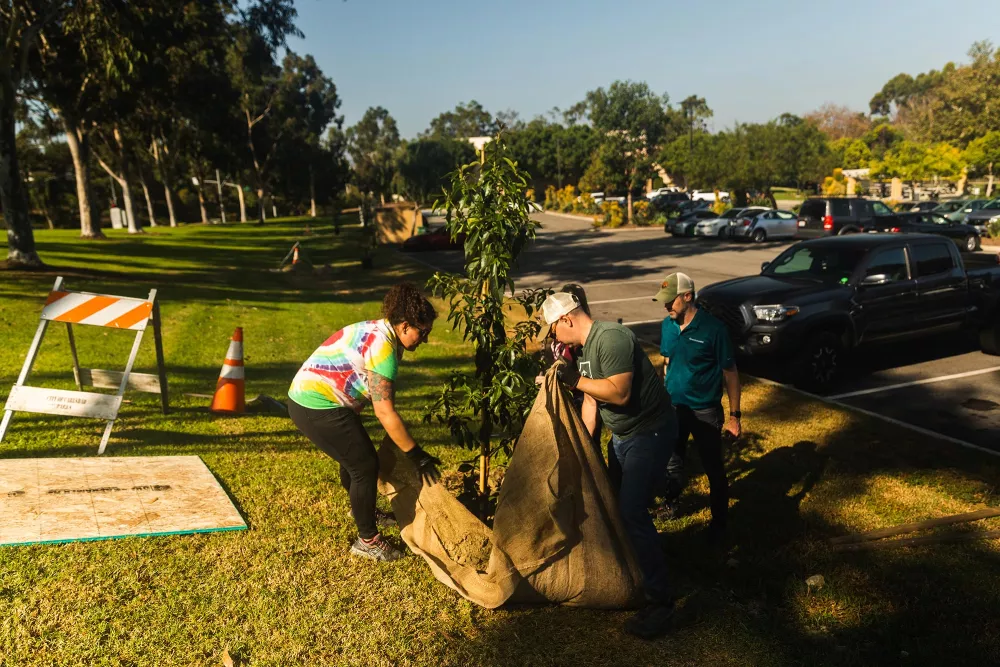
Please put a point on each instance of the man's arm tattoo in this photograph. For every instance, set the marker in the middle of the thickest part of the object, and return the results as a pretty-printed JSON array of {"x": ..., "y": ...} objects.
[{"x": 380, "y": 387}]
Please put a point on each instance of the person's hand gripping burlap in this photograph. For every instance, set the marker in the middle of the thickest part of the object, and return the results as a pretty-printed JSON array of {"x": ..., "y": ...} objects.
[{"x": 426, "y": 465}]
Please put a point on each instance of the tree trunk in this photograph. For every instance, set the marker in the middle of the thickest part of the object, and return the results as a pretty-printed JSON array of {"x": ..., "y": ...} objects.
[
  {"x": 169, "y": 196},
  {"x": 989, "y": 184},
  {"x": 149, "y": 202},
  {"x": 79, "y": 148},
  {"x": 133, "y": 224},
  {"x": 161, "y": 168},
  {"x": 20, "y": 238},
  {"x": 261, "y": 214},
  {"x": 312, "y": 192},
  {"x": 201, "y": 204},
  {"x": 243, "y": 202}
]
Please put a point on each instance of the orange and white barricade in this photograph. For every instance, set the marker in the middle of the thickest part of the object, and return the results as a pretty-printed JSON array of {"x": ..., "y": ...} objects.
[{"x": 101, "y": 310}]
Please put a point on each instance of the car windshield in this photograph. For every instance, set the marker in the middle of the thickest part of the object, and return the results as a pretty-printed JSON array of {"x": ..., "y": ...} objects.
[
  {"x": 832, "y": 266},
  {"x": 993, "y": 204}
]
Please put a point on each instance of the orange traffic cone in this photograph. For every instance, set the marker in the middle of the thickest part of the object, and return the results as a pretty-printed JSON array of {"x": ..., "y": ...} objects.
[
  {"x": 230, "y": 397},
  {"x": 295, "y": 254}
]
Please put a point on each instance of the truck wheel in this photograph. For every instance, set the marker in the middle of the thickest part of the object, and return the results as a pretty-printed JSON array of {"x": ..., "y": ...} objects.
[
  {"x": 971, "y": 243},
  {"x": 666, "y": 227},
  {"x": 758, "y": 236},
  {"x": 989, "y": 338},
  {"x": 819, "y": 363}
]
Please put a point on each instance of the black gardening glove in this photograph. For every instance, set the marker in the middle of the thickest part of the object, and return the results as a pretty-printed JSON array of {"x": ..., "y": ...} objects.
[
  {"x": 427, "y": 465},
  {"x": 568, "y": 375}
]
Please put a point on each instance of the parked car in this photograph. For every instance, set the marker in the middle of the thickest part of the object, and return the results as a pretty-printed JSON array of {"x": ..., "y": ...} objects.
[
  {"x": 684, "y": 224},
  {"x": 831, "y": 216},
  {"x": 965, "y": 236},
  {"x": 435, "y": 239},
  {"x": 979, "y": 219},
  {"x": 708, "y": 195},
  {"x": 766, "y": 225},
  {"x": 719, "y": 227},
  {"x": 950, "y": 206},
  {"x": 820, "y": 300},
  {"x": 970, "y": 206},
  {"x": 920, "y": 206},
  {"x": 660, "y": 192},
  {"x": 668, "y": 202}
]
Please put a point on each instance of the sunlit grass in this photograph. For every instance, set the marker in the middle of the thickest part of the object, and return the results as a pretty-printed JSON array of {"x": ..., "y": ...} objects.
[{"x": 285, "y": 592}]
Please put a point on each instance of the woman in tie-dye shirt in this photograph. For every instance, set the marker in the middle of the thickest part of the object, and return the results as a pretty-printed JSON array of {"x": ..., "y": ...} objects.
[{"x": 354, "y": 367}]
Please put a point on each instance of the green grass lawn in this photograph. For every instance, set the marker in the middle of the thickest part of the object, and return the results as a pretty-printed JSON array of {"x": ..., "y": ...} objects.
[{"x": 285, "y": 592}]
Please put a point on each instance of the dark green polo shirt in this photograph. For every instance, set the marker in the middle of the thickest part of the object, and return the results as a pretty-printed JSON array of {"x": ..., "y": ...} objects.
[
  {"x": 697, "y": 355},
  {"x": 612, "y": 349}
]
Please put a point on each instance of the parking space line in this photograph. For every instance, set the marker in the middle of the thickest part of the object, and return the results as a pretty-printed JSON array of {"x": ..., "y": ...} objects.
[
  {"x": 911, "y": 427},
  {"x": 632, "y": 324},
  {"x": 914, "y": 383},
  {"x": 631, "y": 298},
  {"x": 621, "y": 282}
]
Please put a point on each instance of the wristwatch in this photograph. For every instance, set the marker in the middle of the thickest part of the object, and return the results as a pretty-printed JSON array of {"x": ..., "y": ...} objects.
[{"x": 735, "y": 413}]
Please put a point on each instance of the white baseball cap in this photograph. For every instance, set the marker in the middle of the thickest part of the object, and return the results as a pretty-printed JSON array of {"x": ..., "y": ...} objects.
[{"x": 557, "y": 305}]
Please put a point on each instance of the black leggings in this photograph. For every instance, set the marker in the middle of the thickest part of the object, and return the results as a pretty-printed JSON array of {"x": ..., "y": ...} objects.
[{"x": 340, "y": 434}]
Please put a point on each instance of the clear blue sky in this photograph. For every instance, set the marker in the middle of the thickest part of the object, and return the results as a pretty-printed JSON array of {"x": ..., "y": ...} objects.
[{"x": 751, "y": 59}]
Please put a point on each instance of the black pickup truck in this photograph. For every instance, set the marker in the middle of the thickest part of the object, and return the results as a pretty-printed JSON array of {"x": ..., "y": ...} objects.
[{"x": 820, "y": 300}]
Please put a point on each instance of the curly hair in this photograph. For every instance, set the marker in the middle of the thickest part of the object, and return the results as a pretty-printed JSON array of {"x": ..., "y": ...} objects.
[{"x": 405, "y": 303}]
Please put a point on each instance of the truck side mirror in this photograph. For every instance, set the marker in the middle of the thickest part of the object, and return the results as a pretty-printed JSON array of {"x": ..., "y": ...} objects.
[
  {"x": 875, "y": 279},
  {"x": 764, "y": 265}
]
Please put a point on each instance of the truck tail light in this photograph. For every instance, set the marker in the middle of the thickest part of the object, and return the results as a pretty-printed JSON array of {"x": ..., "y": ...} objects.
[
  {"x": 894, "y": 230},
  {"x": 827, "y": 222},
  {"x": 746, "y": 222}
]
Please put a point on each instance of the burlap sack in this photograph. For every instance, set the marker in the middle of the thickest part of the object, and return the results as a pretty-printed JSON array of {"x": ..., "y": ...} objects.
[{"x": 557, "y": 536}]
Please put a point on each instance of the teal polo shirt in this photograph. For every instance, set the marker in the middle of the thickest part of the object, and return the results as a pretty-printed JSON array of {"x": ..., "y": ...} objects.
[{"x": 697, "y": 355}]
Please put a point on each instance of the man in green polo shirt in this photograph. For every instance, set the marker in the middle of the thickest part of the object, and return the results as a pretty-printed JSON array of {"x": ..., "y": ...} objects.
[
  {"x": 618, "y": 380},
  {"x": 699, "y": 361}
]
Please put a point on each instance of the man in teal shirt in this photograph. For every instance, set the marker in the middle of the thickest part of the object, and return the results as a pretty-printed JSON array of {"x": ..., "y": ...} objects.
[{"x": 699, "y": 360}]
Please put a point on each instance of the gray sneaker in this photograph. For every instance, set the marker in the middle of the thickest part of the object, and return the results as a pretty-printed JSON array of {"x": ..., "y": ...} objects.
[{"x": 376, "y": 549}]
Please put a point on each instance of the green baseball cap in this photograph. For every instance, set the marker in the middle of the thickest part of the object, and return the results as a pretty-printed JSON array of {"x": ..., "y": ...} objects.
[{"x": 676, "y": 283}]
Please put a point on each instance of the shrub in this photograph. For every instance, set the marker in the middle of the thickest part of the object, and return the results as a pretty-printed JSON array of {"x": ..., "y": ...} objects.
[
  {"x": 585, "y": 204},
  {"x": 612, "y": 215},
  {"x": 720, "y": 207},
  {"x": 566, "y": 198},
  {"x": 550, "y": 198},
  {"x": 641, "y": 214},
  {"x": 993, "y": 229},
  {"x": 658, "y": 220},
  {"x": 836, "y": 185}
]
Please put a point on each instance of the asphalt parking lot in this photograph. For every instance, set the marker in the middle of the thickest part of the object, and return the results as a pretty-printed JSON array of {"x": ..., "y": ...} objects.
[{"x": 942, "y": 385}]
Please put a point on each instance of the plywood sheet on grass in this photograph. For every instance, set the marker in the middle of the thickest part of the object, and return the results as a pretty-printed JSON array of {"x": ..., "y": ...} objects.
[{"x": 64, "y": 500}]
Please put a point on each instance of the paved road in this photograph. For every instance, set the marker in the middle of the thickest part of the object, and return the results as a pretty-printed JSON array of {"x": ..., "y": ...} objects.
[{"x": 622, "y": 270}]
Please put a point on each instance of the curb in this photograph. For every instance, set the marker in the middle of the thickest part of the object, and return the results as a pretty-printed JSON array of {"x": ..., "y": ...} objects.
[
  {"x": 601, "y": 230},
  {"x": 571, "y": 216}
]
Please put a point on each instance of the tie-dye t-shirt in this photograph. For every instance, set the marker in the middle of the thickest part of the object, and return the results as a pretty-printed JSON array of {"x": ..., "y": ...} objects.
[{"x": 336, "y": 375}]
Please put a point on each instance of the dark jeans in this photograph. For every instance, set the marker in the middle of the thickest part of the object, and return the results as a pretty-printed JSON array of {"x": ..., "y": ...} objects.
[
  {"x": 705, "y": 427},
  {"x": 340, "y": 434},
  {"x": 642, "y": 459}
]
